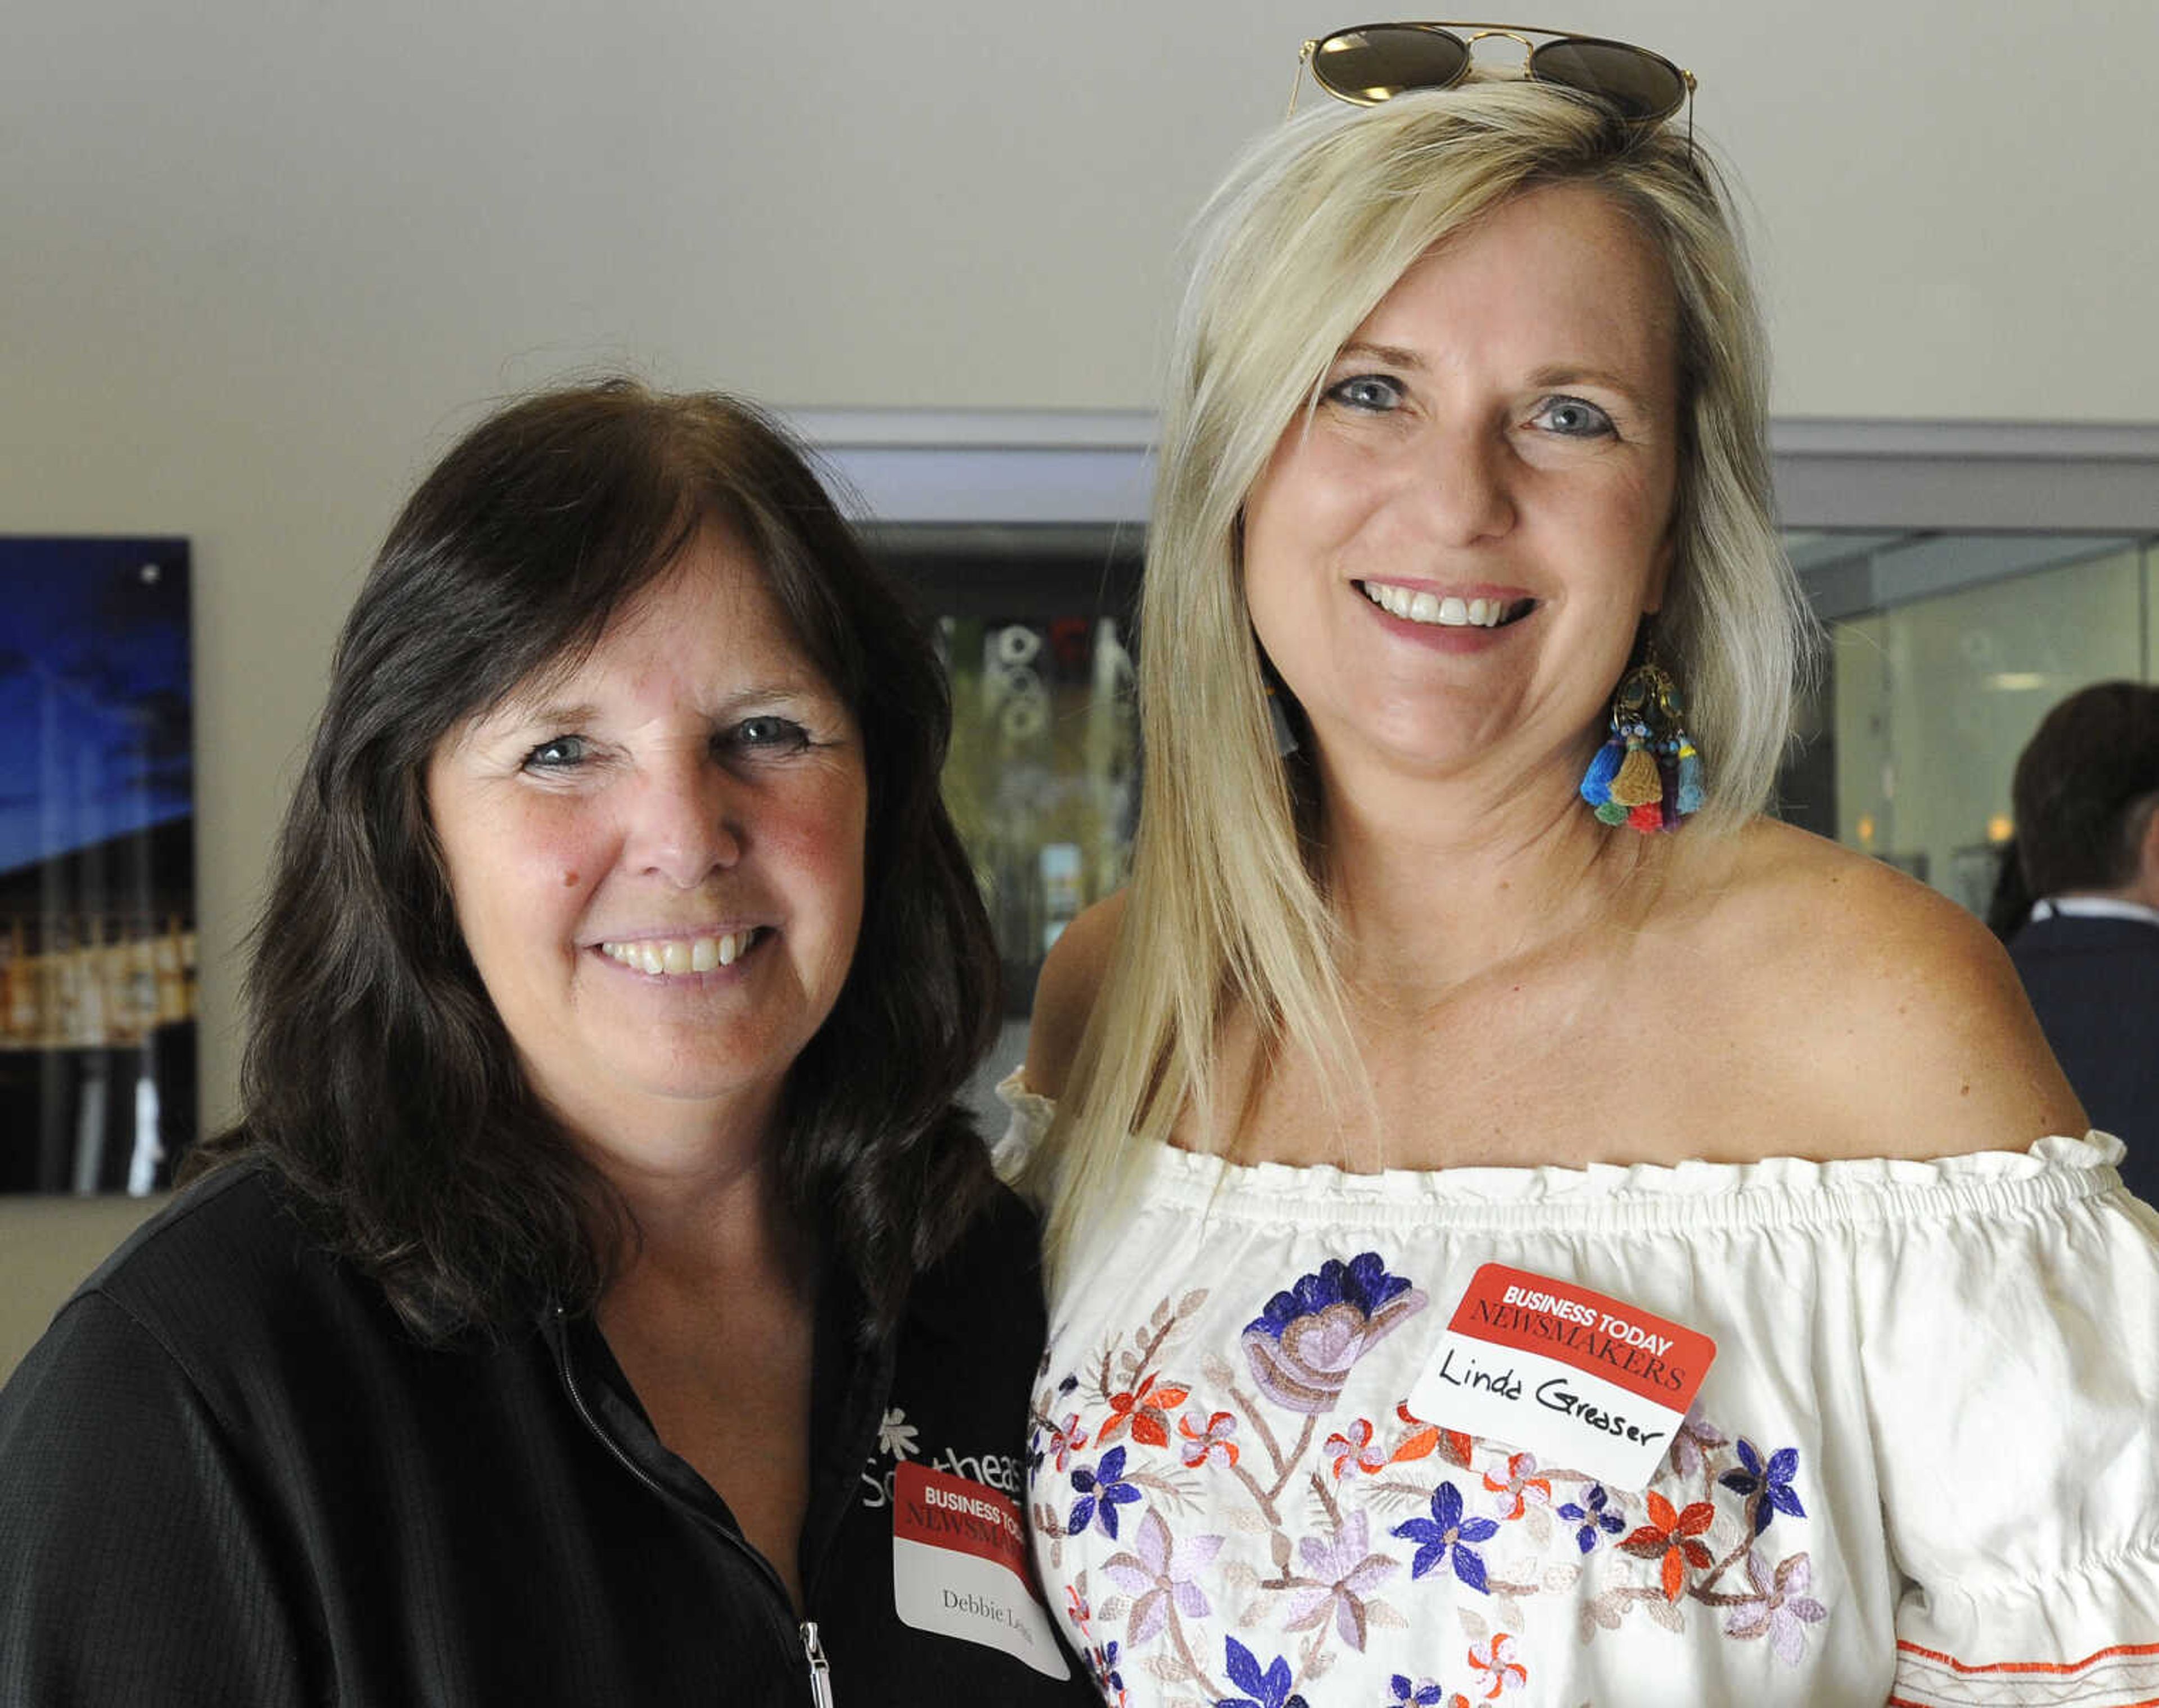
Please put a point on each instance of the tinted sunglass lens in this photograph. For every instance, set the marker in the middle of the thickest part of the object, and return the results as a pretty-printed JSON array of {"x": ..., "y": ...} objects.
[
  {"x": 1641, "y": 86},
  {"x": 1375, "y": 64}
]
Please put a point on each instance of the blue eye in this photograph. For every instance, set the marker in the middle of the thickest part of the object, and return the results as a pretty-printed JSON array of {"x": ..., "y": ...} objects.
[
  {"x": 767, "y": 734},
  {"x": 558, "y": 754},
  {"x": 1570, "y": 417},
  {"x": 1373, "y": 394}
]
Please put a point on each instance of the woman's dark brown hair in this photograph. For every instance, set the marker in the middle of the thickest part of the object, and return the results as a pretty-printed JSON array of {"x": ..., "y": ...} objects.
[{"x": 378, "y": 1079}]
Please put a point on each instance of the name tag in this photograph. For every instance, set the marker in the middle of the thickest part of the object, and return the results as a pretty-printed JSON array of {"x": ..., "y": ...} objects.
[
  {"x": 959, "y": 1567},
  {"x": 1577, "y": 1379}
]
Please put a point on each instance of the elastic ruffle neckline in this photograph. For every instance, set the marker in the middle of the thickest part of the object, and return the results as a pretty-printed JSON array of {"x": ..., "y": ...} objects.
[{"x": 2055, "y": 1170}]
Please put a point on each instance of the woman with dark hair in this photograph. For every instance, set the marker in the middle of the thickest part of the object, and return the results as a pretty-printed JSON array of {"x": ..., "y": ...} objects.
[{"x": 589, "y": 1305}]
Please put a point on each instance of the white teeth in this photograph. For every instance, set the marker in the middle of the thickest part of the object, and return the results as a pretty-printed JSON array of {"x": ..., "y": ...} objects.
[
  {"x": 673, "y": 956},
  {"x": 1451, "y": 611}
]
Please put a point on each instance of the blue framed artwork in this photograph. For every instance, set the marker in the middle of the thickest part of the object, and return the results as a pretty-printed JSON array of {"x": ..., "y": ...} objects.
[{"x": 97, "y": 904}]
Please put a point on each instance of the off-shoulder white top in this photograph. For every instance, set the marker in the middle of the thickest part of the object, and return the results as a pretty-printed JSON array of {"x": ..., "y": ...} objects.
[{"x": 1922, "y": 1468}]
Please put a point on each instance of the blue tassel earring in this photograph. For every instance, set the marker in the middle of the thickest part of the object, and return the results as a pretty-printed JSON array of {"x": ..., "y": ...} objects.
[{"x": 1648, "y": 774}]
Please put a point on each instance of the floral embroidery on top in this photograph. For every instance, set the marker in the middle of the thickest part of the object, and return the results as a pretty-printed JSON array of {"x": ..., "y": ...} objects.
[
  {"x": 1301, "y": 1348},
  {"x": 1364, "y": 1523}
]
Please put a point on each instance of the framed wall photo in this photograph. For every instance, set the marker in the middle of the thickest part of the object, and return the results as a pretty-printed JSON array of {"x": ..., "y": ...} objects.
[{"x": 97, "y": 891}]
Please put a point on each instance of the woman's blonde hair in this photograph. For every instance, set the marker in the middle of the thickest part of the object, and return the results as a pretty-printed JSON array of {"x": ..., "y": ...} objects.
[{"x": 1311, "y": 229}]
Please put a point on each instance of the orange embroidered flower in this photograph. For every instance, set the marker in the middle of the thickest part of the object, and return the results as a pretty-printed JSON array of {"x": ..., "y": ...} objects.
[
  {"x": 1496, "y": 1660},
  {"x": 1144, "y": 1411},
  {"x": 1353, "y": 1446},
  {"x": 1207, "y": 1439},
  {"x": 1669, "y": 1537},
  {"x": 1452, "y": 1446}
]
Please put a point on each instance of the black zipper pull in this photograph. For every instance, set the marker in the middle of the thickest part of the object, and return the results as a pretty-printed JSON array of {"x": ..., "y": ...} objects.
[{"x": 820, "y": 1672}]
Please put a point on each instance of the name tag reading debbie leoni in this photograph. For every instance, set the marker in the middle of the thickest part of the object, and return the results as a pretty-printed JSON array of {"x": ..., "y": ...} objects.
[
  {"x": 958, "y": 1567},
  {"x": 1576, "y": 1378}
]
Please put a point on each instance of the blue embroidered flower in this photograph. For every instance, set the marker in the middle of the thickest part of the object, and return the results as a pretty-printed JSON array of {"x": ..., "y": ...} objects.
[
  {"x": 1101, "y": 1491},
  {"x": 1104, "y": 1663},
  {"x": 1594, "y": 1521},
  {"x": 1266, "y": 1689},
  {"x": 1363, "y": 1281},
  {"x": 1769, "y": 1486},
  {"x": 1423, "y": 1693},
  {"x": 1444, "y": 1536},
  {"x": 1302, "y": 1346}
]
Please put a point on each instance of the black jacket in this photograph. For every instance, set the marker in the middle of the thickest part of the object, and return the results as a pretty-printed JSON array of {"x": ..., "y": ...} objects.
[
  {"x": 229, "y": 1476},
  {"x": 2094, "y": 984}
]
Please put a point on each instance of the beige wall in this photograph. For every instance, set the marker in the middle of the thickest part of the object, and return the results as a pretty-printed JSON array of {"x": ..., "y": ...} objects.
[
  {"x": 47, "y": 1246},
  {"x": 262, "y": 260}
]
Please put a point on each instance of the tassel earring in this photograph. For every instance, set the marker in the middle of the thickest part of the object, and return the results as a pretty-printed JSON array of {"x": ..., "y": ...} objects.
[{"x": 1648, "y": 775}]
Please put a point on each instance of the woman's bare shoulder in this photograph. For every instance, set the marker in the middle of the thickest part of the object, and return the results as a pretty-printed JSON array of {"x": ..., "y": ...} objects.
[
  {"x": 1065, "y": 995},
  {"x": 1887, "y": 1019}
]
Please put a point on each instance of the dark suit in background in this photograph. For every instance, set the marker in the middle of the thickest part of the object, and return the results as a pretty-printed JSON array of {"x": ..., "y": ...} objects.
[{"x": 2094, "y": 982}]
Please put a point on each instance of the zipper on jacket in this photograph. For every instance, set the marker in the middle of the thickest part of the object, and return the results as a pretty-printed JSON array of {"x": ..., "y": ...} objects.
[
  {"x": 820, "y": 1674},
  {"x": 821, "y": 1684}
]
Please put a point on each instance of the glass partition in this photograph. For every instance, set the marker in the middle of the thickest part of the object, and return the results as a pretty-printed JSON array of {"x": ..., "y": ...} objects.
[
  {"x": 1932, "y": 692},
  {"x": 1944, "y": 651}
]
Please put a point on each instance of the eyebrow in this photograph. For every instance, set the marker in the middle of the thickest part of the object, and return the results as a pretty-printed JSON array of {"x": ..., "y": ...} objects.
[
  {"x": 512, "y": 714},
  {"x": 1394, "y": 355},
  {"x": 1575, "y": 374}
]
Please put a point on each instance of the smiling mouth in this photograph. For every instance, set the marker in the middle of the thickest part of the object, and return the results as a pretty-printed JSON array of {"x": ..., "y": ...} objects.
[
  {"x": 1448, "y": 611},
  {"x": 676, "y": 955}
]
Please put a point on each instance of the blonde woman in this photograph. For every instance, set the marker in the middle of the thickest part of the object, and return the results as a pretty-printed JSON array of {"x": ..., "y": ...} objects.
[{"x": 1513, "y": 1232}]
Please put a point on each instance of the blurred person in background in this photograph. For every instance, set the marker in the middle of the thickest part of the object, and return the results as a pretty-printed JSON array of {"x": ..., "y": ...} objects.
[{"x": 2078, "y": 906}]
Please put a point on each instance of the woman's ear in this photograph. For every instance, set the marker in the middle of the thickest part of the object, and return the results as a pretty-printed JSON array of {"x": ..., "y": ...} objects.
[{"x": 1660, "y": 570}]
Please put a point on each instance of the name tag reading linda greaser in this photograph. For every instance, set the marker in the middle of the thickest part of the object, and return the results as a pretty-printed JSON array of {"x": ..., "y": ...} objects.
[
  {"x": 1576, "y": 1378},
  {"x": 959, "y": 1567}
]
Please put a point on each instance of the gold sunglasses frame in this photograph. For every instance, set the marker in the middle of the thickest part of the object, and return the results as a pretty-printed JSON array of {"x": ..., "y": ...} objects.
[{"x": 1486, "y": 32}]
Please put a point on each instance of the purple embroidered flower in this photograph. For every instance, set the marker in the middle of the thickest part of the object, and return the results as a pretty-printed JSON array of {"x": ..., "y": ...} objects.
[
  {"x": 1592, "y": 1514},
  {"x": 1208, "y": 1439},
  {"x": 1065, "y": 1439},
  {"x": 1264, "y": 1689},
  {"x": 1780, "y": 1608},
  {"x": 1337, "y": 1576},
  {"x": 1445, "y": 1536},
  {"x": 1158, "y": 1574},
  {"x": 1423, "y": 1693},
  {"x": 1767, "y": 1488},
  {"x": 1101, "y": 1491},
  {"x": 1693, "y": 1444},
  {"x": 1496, "y": 1660},
  {"x": 1302, "y": 1347}
]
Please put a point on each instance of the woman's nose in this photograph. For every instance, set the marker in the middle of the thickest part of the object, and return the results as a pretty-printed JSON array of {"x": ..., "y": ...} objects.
[
  {"x": 687, "y": 822},
  {"x": 1463, "y": 486}
]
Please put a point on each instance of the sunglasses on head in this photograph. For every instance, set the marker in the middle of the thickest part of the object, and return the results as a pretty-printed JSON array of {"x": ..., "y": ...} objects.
[{"x": 1373, "y": 62}]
